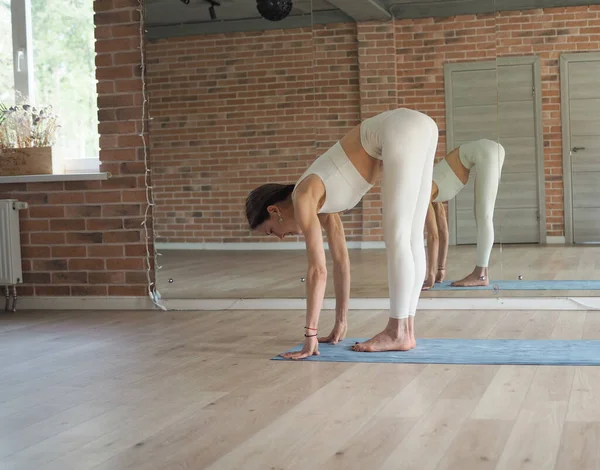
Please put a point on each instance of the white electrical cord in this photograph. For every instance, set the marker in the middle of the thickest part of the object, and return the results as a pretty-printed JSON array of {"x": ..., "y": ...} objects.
[
  {"x": 152, "y": 290},
  {"x": 583, "y": 304}
]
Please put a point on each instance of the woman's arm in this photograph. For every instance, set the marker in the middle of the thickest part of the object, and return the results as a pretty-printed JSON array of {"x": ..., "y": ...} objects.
[
  {"x": 443, "y": 235},
  {"x": 305, "y": 213},
  {"x": 432, "y": 245},
  {"x": 336, "y": 239},
  {"x": 316, "y": 276}
]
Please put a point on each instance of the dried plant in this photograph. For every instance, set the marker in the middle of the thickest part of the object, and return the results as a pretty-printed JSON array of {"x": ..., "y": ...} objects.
[{"x": 24, "y": 126}]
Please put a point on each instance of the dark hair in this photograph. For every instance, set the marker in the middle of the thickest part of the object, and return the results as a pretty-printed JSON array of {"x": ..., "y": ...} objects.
[{"x": 261, "y": 198}]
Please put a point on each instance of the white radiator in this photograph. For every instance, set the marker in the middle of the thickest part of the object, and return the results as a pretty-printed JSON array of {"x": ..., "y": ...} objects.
[{"x": 11, "y": 272}]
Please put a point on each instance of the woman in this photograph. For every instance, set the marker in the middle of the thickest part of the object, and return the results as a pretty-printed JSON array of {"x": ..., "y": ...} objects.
[
  {"x": 403, "y": 141},
  {"x": 450, "y": 175}
]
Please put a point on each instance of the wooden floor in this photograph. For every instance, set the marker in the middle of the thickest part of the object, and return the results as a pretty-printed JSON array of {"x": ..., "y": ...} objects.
[
  {"x": 197, "y": 390},
  {"x": 277, "y": 274}
]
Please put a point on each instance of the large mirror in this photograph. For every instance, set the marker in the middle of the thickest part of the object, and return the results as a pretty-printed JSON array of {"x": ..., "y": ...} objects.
[{"x": 238, "y": 100}]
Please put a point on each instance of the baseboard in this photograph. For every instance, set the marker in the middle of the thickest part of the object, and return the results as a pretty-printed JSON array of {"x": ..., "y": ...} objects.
[
  {"x": 431, "y": 303},
  {"x": 256, "y": 246},
  {"x": 515, "y": 303},
  {"x": 84, "y": 303},
  {"x": 370, "y": 245}
]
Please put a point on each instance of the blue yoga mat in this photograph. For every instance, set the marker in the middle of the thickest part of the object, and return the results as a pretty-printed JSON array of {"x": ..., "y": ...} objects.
[
  {"x": 470, "y": 351},
  {"x": 527, "y": 285}
]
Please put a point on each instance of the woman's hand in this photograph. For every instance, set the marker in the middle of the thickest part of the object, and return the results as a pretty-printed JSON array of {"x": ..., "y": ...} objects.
[
  {"x": 311, "y": 348},
  {"x": 337, "y": 334}
]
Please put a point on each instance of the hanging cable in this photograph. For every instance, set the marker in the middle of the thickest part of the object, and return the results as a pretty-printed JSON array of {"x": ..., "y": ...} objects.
[{"x": 152, "y": 289}]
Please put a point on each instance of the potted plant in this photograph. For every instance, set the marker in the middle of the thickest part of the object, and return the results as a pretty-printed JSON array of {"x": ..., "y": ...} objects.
[{"x": 27, "y": 134}]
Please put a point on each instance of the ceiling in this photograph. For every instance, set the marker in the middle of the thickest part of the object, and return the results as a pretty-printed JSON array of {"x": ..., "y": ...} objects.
[
  {"x": 166, "y": 18},
  {"x": 175, "y": 11}
]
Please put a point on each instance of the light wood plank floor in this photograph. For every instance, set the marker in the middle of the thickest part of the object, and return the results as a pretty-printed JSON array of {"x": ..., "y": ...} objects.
[
  {"x": 277, "y": 274},
  {"x": 197, "y": 390}
]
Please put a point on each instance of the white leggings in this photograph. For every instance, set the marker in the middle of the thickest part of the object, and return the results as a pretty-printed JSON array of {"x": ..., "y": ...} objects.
[
  {"x": 488, "y": 167},
  {"x": 409, "y": 141}
]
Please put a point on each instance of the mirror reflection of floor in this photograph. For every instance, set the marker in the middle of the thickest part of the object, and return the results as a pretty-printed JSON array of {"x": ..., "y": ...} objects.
[{"x": 201, "y": 274}]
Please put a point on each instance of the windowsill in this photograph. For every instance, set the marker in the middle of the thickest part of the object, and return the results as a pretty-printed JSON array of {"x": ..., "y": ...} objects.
[{"x": 64, "y": 177}]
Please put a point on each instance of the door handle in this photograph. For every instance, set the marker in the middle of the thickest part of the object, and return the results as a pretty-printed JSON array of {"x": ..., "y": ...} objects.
[
  {"x": 577, "y": 149},
  {"x": 20, "y": 60}
]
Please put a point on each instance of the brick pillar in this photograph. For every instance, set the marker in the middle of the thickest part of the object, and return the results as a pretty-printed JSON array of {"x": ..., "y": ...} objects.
[
  {"x": 337, "y": 96},
  {"x": 123, "y": 200},
  {"x": 377, "y": 74}
]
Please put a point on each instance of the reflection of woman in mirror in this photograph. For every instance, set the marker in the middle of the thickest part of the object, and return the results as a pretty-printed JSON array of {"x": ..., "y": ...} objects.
[
  {"x": 404, "y": 142},
  {"x": 450, "y": 175}
]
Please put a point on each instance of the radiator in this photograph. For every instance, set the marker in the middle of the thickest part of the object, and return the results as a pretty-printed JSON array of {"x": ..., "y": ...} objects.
[{"x": 11, "y": 272}]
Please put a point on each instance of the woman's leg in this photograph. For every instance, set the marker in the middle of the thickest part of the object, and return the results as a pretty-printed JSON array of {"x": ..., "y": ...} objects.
[
  {"x": 416, "y": 238},
  {"x": 487, "y": 180},
  {"x": 409, "y": 143},
  {"x": 486, "y": 192}
]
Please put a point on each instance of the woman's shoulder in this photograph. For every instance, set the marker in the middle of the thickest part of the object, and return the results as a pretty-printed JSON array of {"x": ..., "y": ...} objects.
[
  {"x": 311, "y": 184},
  {"x": 309, "y": 192}
]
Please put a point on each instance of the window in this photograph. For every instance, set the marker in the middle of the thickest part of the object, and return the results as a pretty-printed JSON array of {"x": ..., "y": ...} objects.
[
  {"x": 47, "y": 57},
  {"x": 7, "y": 79}
]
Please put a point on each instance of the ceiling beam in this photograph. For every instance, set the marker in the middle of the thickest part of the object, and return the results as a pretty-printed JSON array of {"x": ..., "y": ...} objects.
[
  {"x": 363, "y": 10},
  {"x": 508, "y": 5},
  {"x": 442, "y": 8},
  {"x": 437, "y": 8},
  {"x": 154, "y": 32},
  {"x": 303, "y": 6}
]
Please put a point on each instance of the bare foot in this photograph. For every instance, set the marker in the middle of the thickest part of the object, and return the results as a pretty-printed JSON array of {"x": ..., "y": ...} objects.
[
  {"x": 337, "y": 334},
  {"x": 440, "y": 276},
  {"x": 397, "y": 336},
  {"x": 472, "y": 280},
  {"x": 429, "y": 282},
  {"x": 384, "y": 341}
]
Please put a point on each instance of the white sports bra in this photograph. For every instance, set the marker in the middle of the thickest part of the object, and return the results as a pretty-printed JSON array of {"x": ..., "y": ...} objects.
[
  {"x": 344, "y": 185},
  {"x": 478, "y": 152},
  {"x": 449, "y": 185}
]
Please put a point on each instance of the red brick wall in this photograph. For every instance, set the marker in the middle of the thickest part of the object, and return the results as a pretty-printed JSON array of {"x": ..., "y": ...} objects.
[
  {"x": 225, "y": 118},
  {"x": 220, "y": 127},
  {"x": 230, "y": 112},
  {"x": 85, "y": 238}
]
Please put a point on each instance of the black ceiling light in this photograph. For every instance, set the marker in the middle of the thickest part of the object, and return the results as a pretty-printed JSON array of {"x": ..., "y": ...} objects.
[
  {"x": 211, "y": 9},
  {"x": 274, "y": 10}
]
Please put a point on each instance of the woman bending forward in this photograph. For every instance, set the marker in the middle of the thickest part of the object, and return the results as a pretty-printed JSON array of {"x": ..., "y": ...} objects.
[
  {"x": 450, "y": 176},
  {"x": 401, "y": 144}
]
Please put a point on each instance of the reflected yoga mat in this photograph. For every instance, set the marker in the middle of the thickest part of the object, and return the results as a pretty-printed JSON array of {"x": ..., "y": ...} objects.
[
  {"x": 528, "y": 285},
  {"x": 470, "y": 351}
]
